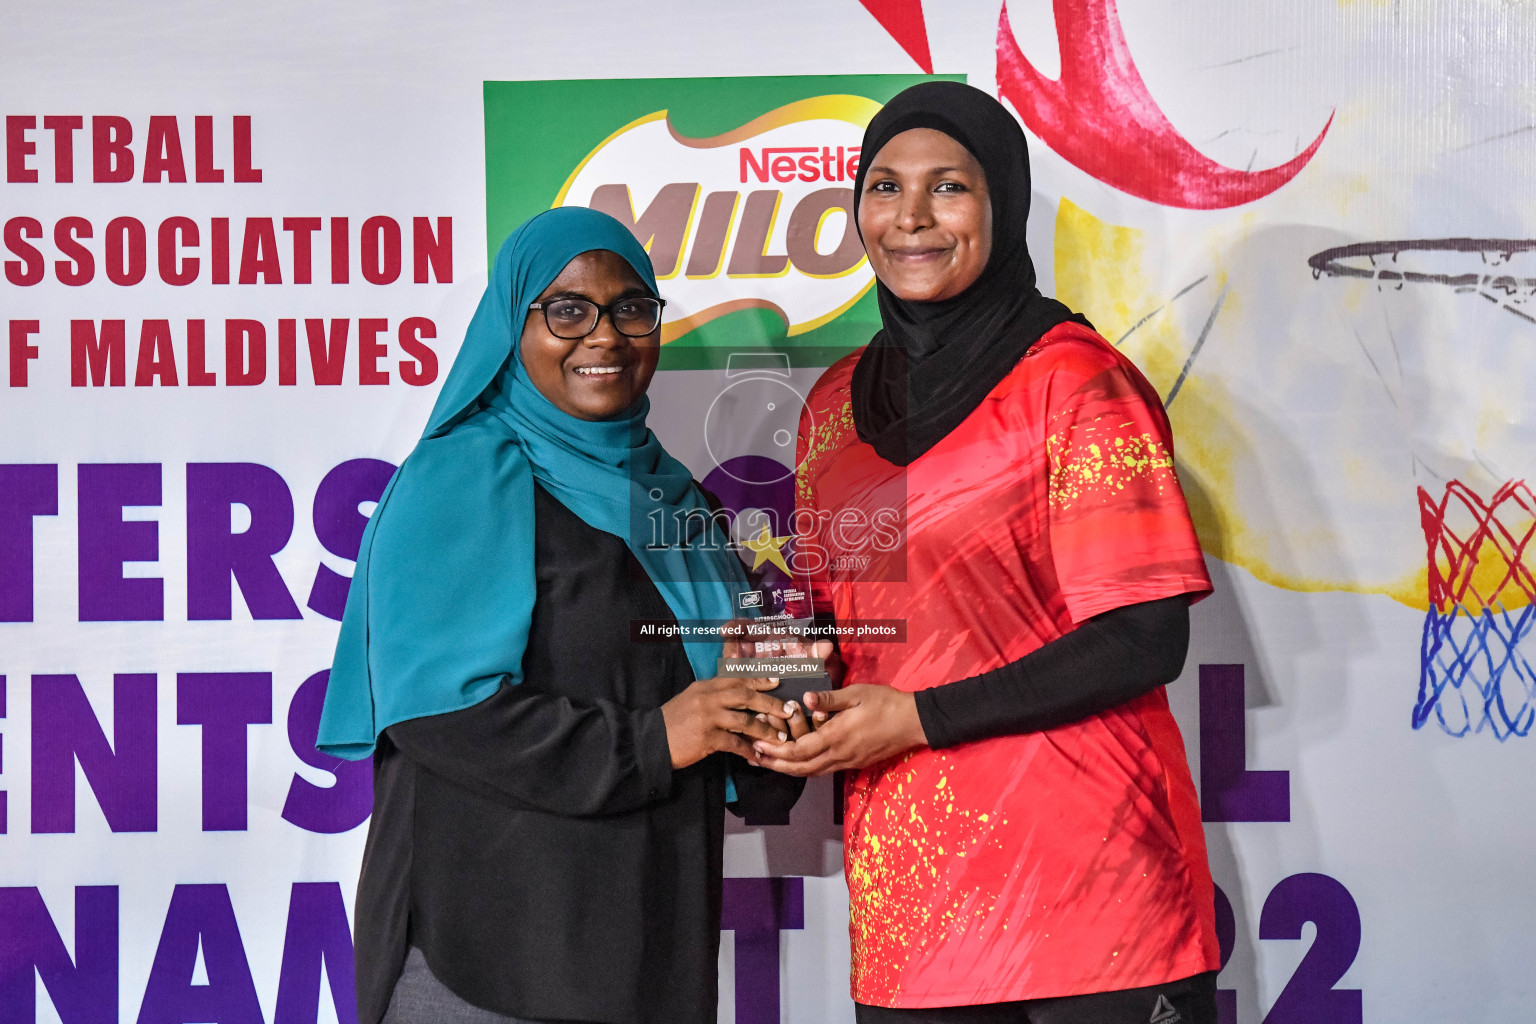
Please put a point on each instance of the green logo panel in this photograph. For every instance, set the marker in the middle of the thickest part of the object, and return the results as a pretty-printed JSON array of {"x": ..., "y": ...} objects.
[{"x": 740, "y": 188}]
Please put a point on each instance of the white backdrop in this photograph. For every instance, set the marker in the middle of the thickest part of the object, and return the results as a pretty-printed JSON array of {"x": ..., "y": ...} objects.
[{"x": 1321, "y": 418}]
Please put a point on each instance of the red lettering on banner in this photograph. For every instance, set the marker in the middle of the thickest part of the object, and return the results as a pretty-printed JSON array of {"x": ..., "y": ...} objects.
[
  {"x": 29, "y": 270},
  {"x": 220, "y": 257},
  {"x": 434, "y": 250},
  {"x": 258, "y": 253},
  {"x": 287, "y": 354},
  {"x": 17, "y": 148},
  {"x": 175, "y": 232},
  {"x": 302, "y": 228},
  {"x": 157, "y": 359},
  {"x": 424, "y": 370},
  {"x": 327, "y": 355},
  {"x": 245, "y": 353},
  {"x": 162, "y": 151},
  {"x": 126, "y": 257},
  {"x": 63, "y": 127},
  {"x": 126, "y": 251},
  {"x": 370, "y": 350},
  {"x": 202, "y": 146},
  {"x": 245, "y": 171},
  {"x": 748, "y": 162},
  {"x": 97, "y": 359},
  {"x": 112, "y": 153},
  {"x": 111, "y": 159},
  {"x": 799, "y": 163},
  {"x": 98, "y": 352},
  {"x": 22, "y": 350},
  {"x": 80, "y": 266},
  {"x": 381, "y": 250},
  {"x": 341, "y": 259},
  {"x": 198, "y": 374}
]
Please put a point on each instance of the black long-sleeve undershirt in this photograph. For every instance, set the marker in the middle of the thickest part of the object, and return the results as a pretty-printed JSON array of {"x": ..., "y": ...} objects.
[{"x": 1103, "y": 663}]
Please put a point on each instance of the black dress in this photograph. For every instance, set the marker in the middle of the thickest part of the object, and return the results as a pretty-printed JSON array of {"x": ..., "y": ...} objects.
[{"x": 538, "y": 847}]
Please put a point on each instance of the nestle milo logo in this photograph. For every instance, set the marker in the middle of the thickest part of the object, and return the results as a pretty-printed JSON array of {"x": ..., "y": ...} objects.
[
  {"x": 803, "y": 163},
  {"x": 757, "y": 217}
]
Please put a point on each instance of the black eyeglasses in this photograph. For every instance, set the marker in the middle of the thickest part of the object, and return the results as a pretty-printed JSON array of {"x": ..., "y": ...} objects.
[{"x": 573, "y": 318}]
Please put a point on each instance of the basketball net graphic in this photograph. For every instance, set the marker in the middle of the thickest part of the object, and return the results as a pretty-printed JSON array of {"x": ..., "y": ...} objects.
[
  {"x": 1473, "y": 675},
  {"x": 1482, "y": 604}
]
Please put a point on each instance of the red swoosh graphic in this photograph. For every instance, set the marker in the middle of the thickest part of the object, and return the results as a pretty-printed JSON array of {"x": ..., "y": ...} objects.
[
  {"x": 903, "y": 19},
  {"x": 1100, "y": 116}
]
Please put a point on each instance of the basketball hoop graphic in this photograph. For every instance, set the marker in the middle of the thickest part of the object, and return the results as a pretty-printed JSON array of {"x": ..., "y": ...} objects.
[
  {"x": 1473, "y": 675},
  {"x": 1500, "y": 270}
]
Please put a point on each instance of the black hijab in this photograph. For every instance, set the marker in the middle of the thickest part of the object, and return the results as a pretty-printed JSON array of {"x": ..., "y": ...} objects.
[{"x": 934, "y": 362}]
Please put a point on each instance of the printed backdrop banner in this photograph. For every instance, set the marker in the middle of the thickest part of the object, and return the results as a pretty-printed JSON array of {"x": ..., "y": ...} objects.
[{"x": 240, "y": 249}]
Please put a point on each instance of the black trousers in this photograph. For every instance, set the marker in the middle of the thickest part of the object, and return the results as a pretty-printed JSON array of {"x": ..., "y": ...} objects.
[
  {"x": 420, "y": 998},
  {"x": 1188, "y": 1001}
]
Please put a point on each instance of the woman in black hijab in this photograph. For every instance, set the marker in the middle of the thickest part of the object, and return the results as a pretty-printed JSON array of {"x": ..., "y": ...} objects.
[
  {"x": 1022, "y": 836},
  {"x": 936, "y": 359}
]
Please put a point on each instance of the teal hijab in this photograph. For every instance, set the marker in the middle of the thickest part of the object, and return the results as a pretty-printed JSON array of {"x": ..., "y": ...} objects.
[{"x": 439, "y": 607}]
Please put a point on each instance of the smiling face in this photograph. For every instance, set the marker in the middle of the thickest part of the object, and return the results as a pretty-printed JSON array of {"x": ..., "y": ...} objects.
[
  {"x": 600, "y": 376},
  {"x": 925, "y": 216}
]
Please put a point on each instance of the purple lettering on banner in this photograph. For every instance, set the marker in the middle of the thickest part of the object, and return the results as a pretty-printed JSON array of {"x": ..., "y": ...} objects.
[
  {"x": 25, "y": 492},
  {"x": 317, "y": 931},
  {"x": 122, "y": 775},
  {"x": 339, "y": 525},
  {"x": 106, "y": 542},
  {"x": 1226, "y": 939},
  {"x": 83, "y": 988},
  {"x": 214, "y": 553},
  {"x": 325, "y": 809},
  {"x": 1309, "y": 997},
  {"x": 1228, "y": 790},
  {"x": 757, "y": 909},
  {"x": 5, "y": 811},
  {"x": 224, "y": 704},
  {"x": 200, "y": 917}
]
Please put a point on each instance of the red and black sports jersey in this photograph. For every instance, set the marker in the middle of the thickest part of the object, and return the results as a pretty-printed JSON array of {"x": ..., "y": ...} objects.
[{"x": 1042, "y": 864}]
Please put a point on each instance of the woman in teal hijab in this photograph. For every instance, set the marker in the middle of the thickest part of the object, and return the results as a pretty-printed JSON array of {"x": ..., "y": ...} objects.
[{"x": 548, "y": 787}]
